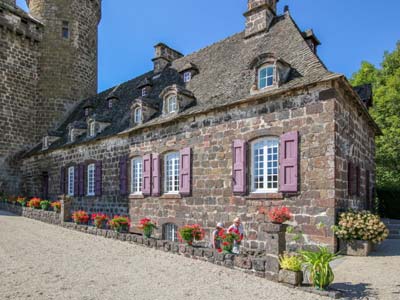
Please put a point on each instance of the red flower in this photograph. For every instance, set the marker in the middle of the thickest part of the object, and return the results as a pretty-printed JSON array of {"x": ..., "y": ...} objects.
[
  {"x": 219, "y": 250},
  {"x": 279, "y": 214}
]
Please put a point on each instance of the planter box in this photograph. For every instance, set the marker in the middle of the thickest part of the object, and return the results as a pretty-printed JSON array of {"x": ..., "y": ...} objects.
[
  {"x": 356, "y": 248},
  {"x": 291, "y": 277}
]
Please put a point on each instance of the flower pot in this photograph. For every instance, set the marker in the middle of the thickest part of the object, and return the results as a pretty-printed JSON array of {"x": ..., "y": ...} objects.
[
  {"x": 147, "y": 232},
  {"x": 355, "y": 247},
  {"x": 291, "y": 277}
]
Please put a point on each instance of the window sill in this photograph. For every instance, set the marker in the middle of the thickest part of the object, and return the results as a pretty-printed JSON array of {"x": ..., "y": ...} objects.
[
  {"x": 171, "y": 196},
  {"x": 265, "y": 196},
  {"x": 136, "y": 196}
]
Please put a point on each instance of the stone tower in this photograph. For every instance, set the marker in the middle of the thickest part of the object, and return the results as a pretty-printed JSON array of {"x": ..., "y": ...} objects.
[{"x": 68, "y": 62}]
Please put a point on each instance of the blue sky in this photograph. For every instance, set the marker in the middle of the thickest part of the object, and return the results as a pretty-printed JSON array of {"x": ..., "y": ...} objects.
[{"x": 350, "y": 30}]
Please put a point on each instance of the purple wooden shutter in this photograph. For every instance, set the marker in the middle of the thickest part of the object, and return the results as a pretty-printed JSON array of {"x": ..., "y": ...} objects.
[
  {"x": 62, "y": 180},
  {"x": 288, "y": 158},
  {"x": 146, "y": 183},
  {"x": 156, "y": 178},
  {"x": 350, "y": 178},
  {"x": 81, "y": 168},
  {"x": 239, "y": 159},
  {"x": 123, "y": 175},
  {"x": 76, "y": 181},
  {"x": 185, "y": 172},
  {"x": 98, "y": 179}
]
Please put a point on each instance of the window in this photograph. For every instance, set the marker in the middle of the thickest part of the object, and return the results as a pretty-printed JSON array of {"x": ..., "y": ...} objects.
[
  {"x": 144, "y": 92},
  {"x": 172, "y": 173},
  {"x": 110, "y": 103},
  {"x": 138, "y": 115},
  {"x": 90, "y": 179},
  {"x": 72, "y": 135},
  {"x": 170, "y": 232},
  {"x": 71, "y": 178},
  {"x": 92, "y": 129},
  {"x": 86, "y": 112},
  {"x": 264, "y": 164},
  {"x": 65, "y": 29},
  {"x": 136, "y": 175},
  {"x": 187, "y": 76},
  {"x": 46, "y": 142},
  {"x": 171, "y": 105},
  {"x": 266, "y": 76}
]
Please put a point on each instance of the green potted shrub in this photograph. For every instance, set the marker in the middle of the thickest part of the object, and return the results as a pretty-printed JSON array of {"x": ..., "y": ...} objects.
[
  {"x": 318, "y": 264},
  {"x": 359, "y": 232},
  {"x": 291, "y": 269},
  {"x": 100, "y": 220},
  {"x": 22, "y": 201},
  {"x": 45, "y": 205},
  {"x": 190, "y": 233},
  {"x": 120, "y": 224},
  {"x": 148, "y": 226}
]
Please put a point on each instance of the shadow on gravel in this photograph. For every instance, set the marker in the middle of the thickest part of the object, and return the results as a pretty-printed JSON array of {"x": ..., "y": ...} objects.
[
  {"x": 387, "y": 248},
  {"x": 8, "y": 214},
  {"x": 354, "y": 291}
]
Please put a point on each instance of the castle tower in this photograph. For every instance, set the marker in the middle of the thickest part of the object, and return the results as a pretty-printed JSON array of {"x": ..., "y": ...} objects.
[{"x": 68, "y": 63}]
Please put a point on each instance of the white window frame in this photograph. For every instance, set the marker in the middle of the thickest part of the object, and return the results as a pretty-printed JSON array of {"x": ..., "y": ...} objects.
[
  {"x": 46, "y": 142},
  {"x": 72, "y": 135},
  {"x": 171, "y": 106},
  {"x": 110, "y": 103},
  {"x": 92, "y": 129},
  {"x": 270, "y": 163},
  {"x": 187, "y": 76},
  {"x": 137, "y": 115},
  {"x": 144, "y": 92},
  {"x": 171, "y": 172},
  {"x": 267, "y": 77},
  {"x": 170, "y": 232},
  {"x": 136, "y": 175},
  {"x": 71, "y": 181},
  {"x": 91, "y": 182}
]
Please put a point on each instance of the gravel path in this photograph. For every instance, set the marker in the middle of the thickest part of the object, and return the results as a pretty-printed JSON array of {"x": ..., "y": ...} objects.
[
  {"x": 41, "y": 261},
  {"x": 373, "y": 277}
]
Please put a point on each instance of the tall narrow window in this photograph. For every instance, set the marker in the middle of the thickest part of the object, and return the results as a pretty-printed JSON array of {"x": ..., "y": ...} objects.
[
  {"x": 71, "y": 178},
  {"x": 266, "y": 76},
  {"x": 110, "y": 103},
  {"x": 92, "y": 129},
  {"x": 136, "y": 175},
  {"x": 144, "y": 92},
  {"x": 187, "y": 76},
  {"x": 170, "y": 232},
  {"x": 265, "y": 158},
  {"x": 91, "y": 179},
  {"x": 172, "y": 173},
  {"x": 171, "y": 104},
  {"x": 45, "y": 142},
  {"x": 138, "y": 115},
  {"x": 65, "y": 29}
]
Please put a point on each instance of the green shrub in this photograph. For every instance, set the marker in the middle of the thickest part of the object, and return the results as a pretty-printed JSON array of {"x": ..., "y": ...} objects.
[
  {"x": 45, "y": 205},
  {"x": 290, "y": 262}
]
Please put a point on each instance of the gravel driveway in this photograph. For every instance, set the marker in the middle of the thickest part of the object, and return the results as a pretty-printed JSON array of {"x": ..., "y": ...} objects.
[{"x": 41, "y": 261}]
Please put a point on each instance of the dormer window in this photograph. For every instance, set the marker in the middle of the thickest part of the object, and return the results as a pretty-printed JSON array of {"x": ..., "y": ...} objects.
[
  {"x": 266, "y": 76},
  {"x": 92, "y": 129},
  {"x": 187, "y": 76},
  {"x": 138, "y": 115},
  {"x": 110, "y": 103},
  {"x": 144, "y": 92},
  {"x": 45, "y": 142},
  {"x": 171, "y": 104},
  {"x": 72, "y": 135}
]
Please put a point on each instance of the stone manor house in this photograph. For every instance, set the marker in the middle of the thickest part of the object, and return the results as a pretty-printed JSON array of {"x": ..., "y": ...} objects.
[{"x": 253, "y": 121}]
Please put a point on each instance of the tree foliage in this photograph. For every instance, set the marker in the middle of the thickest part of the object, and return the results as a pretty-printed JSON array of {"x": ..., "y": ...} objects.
[{"x": 386, "y": 112}]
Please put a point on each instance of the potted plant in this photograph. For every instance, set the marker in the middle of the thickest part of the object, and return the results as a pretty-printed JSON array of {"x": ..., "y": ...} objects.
[
  {"x": 291, "y": 269},
  {"x": 34, "y": 203},
  {"x": 148, "y": 226},
  {"x": 359, "y": 231},
  {"x": 318, "y": 264},
  {"x": 227, "y": 241},
  {"x": 22, "y": 201},
  {"x": 279, "y": 215},
  {"x": 99, "y": 220},
  {"x": 120, "y": 224},
  {"x": 45, "y": 205},
  {"x": 56, "y": 206},
  {"x": 80, "y": 217},
  {"x": 190, "y": 233}
]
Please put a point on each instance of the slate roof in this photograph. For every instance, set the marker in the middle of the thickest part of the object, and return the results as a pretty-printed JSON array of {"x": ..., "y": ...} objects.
[{"x": 224, "y": 77}]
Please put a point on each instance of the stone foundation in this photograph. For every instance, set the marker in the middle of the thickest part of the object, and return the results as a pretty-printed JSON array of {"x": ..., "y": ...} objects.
[{"x": 50, "y": 217}]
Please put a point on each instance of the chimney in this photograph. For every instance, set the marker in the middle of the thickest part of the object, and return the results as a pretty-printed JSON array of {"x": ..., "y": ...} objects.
[
  {"x": 259, "y": 16},
  {"x": 164, "y": 56}
]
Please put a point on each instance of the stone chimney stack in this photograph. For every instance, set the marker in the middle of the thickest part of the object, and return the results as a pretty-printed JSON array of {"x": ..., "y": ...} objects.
[
  {"x": 9, "y": 2},
  {"x": 259, "y": 16},
  {"x": 164, "y": 55}
]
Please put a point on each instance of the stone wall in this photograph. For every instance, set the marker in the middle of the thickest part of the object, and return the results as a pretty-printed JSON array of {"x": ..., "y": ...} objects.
[
  {"x": 19, "y": 54},
  {"x": 210, "y": 136},
  {"x": 68, "y": 64},
  {"x": 50, "y": 217}
]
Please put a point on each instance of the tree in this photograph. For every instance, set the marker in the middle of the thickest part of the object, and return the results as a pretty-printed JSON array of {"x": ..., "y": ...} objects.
[{"x": 386, "y": 113}]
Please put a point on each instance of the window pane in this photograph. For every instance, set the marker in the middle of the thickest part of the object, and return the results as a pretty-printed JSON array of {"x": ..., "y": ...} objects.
[
  {"x": 270, "y": 71},
  {"x": 270, "y": 81},
  {"x": 265, "y": 165},
  {"x": 172, "y": 173}
]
